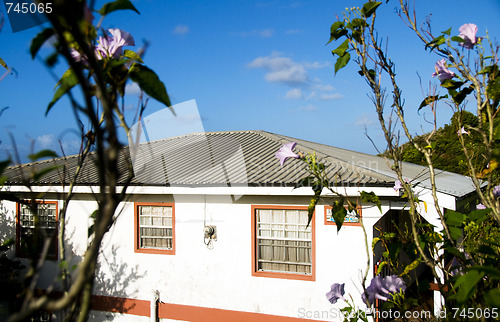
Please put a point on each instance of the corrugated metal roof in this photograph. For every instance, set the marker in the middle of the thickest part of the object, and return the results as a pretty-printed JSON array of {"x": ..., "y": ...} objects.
[{"x": 239, "y": 158}]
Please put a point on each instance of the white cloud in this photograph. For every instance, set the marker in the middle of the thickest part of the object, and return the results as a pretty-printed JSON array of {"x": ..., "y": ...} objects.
[
  {"x": 132, "y": 89},
  {"x": 262, "y": 33},
  {"x": 281, "y": 70},
  {"x": 316, "y": 65},
  {"x": 181, "y": 30},
  {"x": 293, "y": 31},
  {"x": 364, "y": 119},
  {"x": 323, "y": 87},
  {"x": 46, "y": 140},
  {"x": 294, "y": 94},
  {"x": 329, "y": 97},
  {"x": 284, "y": 70}
]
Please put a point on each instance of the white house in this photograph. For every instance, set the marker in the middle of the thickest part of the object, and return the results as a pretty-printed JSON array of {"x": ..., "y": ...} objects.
[{"x": 214, "y": 228}]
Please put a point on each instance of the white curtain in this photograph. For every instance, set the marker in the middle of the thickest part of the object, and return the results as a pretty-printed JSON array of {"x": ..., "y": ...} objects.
[
  {"x": 155, "y": 227},
  {"x": 283, "y": 241}
]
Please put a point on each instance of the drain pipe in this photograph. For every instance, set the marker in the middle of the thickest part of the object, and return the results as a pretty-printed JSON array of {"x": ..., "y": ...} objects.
[{"x": 155, "y": 296}]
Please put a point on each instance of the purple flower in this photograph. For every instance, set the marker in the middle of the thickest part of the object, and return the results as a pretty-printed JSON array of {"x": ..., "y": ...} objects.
[
  {"x": 462, "y": 131},
  {"x": 286, "y": 152},
  {"x": 480, "y": 206},
  {"x": 468, "y": 34},
  {"x": 398, "y": 186},
  {"x": 496, "y": 191},
  {"x": 442, "y": 72},
  {"x": 337, "y": 292},
  {"x": 112, "y": 47},
  {"x": 383, "y": 288},
  {"x": 393, "y": 284}
]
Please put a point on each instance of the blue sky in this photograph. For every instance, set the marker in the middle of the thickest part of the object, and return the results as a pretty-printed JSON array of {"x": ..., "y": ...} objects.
[{"x": 250, "y": 65}]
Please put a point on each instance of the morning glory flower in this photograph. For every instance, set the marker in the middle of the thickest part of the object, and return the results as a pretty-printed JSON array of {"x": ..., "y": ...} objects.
[
  {"x": 383, "y": 288},
  {"x": 442, "y": 72},
  {"x": 337, "y": 292},
  {"x": 398, "y": 186},
  {"x": 496, "y": 191},
  {"x": 393, "y": 284},
  {"x": 286, "y": 152},
  {"x": 112, "y": 47},
  {"x": 462, "y": 131},
  {"x": 468, "y": 33},
  {"x": 374, "y": 291},
  {"x": 480, "y": 206}
]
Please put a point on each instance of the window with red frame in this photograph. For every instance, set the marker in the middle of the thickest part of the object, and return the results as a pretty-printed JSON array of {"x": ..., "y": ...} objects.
[
  {"x": 283, "y": 242},
  {"x": 36, "y": 225},
  {"x": 155, "y": 228}
]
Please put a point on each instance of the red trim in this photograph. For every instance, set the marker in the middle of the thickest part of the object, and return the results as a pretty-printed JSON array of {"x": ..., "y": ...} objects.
[
  {"x": 120, "y": 305},
  {"x": 292, "y": 276},
  {"x": 177, "y": 311},
  {"x": 205, "y": 314},
  {"x": 19, "y": 252},
  {"x": 345, "y": 223},
  {"x": 137, "y": 249},
  {"x": 435, "y": 287}
]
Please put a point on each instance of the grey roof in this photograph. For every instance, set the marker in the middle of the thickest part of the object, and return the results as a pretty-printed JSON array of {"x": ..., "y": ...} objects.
[{"x": 239, "y": 158}]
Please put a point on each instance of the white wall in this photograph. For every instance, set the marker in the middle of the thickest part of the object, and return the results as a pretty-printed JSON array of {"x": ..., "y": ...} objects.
[{"x": 220, "y": 277}]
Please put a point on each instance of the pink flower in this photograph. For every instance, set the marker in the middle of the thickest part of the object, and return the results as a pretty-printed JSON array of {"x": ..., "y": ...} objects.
[
  {"x": 480, "y": 206},
  {"x": 286, "y": 152},
  {"x": 398, "y": 186},
  {"x": 468, "y": 33},
  {"x": 112, "y": 47},
  {"x": 462, "y": 131},
  {"x": 442, "y": 72}
]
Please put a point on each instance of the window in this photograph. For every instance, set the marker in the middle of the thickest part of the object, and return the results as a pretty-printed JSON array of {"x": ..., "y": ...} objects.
[
  {"x": 155, "y": 228},
  {"x": 351, "y": 219},
  {"x": 33, "y": 231},
  {"x": 283, "y": 244}
]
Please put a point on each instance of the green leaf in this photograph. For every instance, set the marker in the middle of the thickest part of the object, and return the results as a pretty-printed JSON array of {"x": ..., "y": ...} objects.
[
  {"x": 488, "y": 70},
  {"x": 149, "y": 82},
  {"x": 67, "y": 82},
  {"x": 117, "y": 5},
  {"x": 430, "y": 99},
  {"x": 479, "y": 215},
  {"x": 493, "y": 89},
  {"x": 42, "y": 155},
  {"x": 39, "y": 40},
  {"x": 435, "y": 42},
  {"x": 337, "y": 30},
  {"x": 465, "y": 285},
  {"x": 446, "y": 32},
  {"x": 132, "y": 55},
  {"x": 451, "y": 84},
  {"x": 342, "y": 62},
  {"x": 411, "y": 267},
  {"x": 358, "y": 23},
  {"x": 369, "y": 8},
  {"x": 338, "y": 213},
  {"x": 453, "y": 218},
  {"x": 455, "y": 232},
  {"x": 341, "y": 50},
  {"x": 458, "y": 98},
  {"x": 371, "y": 197},
  {"x": 457, "y": 39},
  {"x": 492, "y": 298},
  {"x": 312, "y": 206}
]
